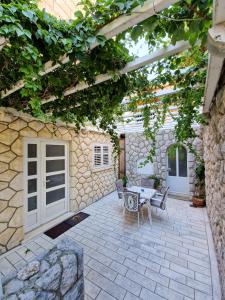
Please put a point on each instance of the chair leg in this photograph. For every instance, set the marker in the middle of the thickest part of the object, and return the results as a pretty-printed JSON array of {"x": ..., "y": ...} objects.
[
  {"x": 138, "y": 218},
  {"x": 142, "y": 215},
  {"x": 124, "y": 211}
]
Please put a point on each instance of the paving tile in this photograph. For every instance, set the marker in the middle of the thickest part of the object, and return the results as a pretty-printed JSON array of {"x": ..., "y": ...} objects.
[
  {"x": 104, "y": 296},
  {"x": 141, "y": 279},
  {"x": 167, "y": 293},
  {"x": 107, "y": 285},
  {"x": 102, "y": 269},
  {"x": 199, "y": 269},
  {"x": 147, "y": 295},
  {"x": 151, "y": 265},
  {"x": 130, "y": 296},
  {"x": 134, "y": 266},
  {"x": 127, "y": 254},
  {"x": 128, "y": 284},
  {"x": 91, "y": 289},
  {"x": 202, "y": 296},
  {"x": 119, "y": 268},
  {"x": 202, "y": 287},
  {"x": 203, "y": 278},
  {"x": 111, "y": 254},
  {"x": 182, "y": 270},
  {"x": 173, "y": 275},
  {"x": 100, "y": 257},
  {"x": 157, "y": 277},
  {"x": 177, "y": 260},
  {"x": 181, "y": 288},
  {"x": 195, "y": 260}
]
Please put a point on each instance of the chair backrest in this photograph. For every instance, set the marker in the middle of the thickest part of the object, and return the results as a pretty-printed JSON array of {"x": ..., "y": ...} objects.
[
  {"x": 164, "y": 198},
  {"x": 147, "y": 183},
  {"x": 131, "y": 201}
]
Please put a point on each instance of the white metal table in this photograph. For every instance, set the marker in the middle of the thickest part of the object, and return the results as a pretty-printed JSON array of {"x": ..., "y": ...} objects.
[{"x": 145, "y": 193}]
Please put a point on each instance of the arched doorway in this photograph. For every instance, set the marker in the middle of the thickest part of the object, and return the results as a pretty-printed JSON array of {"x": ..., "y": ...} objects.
[{"x": 177, "y": 170}]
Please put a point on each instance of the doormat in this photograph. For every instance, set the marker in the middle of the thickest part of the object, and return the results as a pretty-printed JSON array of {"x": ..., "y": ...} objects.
[{"x": 66, "y": 225}]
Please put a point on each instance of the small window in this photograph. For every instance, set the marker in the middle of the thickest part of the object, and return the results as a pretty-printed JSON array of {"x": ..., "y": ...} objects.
[{"x": 101, "y": 156}]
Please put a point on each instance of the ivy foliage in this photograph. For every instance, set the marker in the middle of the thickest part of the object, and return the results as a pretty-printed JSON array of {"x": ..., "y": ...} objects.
[{"x": 35, "y": 37}]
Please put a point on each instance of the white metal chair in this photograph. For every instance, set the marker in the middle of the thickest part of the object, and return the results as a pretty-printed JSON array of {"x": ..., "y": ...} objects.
[
  {"x": 159, "y": 201},
  {"x": 133, "y": 203}
]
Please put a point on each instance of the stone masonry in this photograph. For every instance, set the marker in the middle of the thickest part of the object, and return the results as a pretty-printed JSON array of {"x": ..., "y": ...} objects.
[
  {"x": 58, "y": 274},
  {"x": 214, "y": 156},
  {"x": 138, "y": 147},
  {"x": 86, "y": 183}
]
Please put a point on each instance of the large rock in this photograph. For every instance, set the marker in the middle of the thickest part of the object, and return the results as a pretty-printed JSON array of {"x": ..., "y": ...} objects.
[
  {"x": 50, "y": 280},
  {"x": 29, "y": 270},
  {"x": 69, "y": 275}
]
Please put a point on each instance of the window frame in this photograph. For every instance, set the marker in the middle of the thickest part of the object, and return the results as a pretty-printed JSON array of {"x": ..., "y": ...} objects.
[{"x": 102, "y": 153}]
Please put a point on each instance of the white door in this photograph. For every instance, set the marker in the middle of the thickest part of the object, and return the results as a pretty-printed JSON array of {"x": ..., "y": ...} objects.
[
  {"x": 46, "y": 183},
  {"x": 177, "y": 172}
]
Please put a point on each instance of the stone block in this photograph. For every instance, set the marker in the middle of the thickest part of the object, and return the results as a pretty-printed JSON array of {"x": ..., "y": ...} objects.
[
  {"x": 3, "y": 148},
  {"x": 6, "y": 194},
  {"x": 8, "y": 136},
  {"x": 18, "y": 124},
  {"x": 17, "y": 182},
  {"x": 17, "y": 199},
  {"x": 6, "y": 235},
  {"x": 28, "y": 132},
  {"x": 29, "y": 270},
  {"x": 69, "y": 274},
  {"x": 17, "y": 147},
  {"x": 17, "y": 164},
  {"x": 35, "y": 125},
  {"x": 7, "y": 214},
  {"x": 50, "y": 279},
  {"x": 16, "y": 238},
  {"x": 17, "y": 219},
  {"x": 45, "y": 133}
]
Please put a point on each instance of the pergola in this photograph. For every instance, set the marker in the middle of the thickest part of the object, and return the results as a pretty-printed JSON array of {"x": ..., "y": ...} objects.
[{"x": 216, "y": 42}]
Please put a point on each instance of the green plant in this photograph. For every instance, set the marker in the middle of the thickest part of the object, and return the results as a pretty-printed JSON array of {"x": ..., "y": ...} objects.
[
  {"x": 34, "y": 37},
  {"x": 156, "y": 181},
  {"x": 200, "y": 180},
  {"x": 125, "y": 180}
]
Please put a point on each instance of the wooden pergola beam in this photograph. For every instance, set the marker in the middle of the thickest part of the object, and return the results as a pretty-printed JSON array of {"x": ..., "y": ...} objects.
[
  {"x": 122, "y": 23},
  {"x": 134, "y": 65}
]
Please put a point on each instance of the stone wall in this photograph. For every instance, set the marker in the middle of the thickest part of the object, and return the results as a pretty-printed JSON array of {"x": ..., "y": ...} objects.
[
  {"x": 137, "y": 147},
  {"x": 56, "y": 275},
  {"x": 214, "y": 156},
  {"x": 86, "y": 184}
]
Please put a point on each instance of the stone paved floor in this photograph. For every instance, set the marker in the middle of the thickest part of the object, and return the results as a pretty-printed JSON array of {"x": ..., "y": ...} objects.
[{"x": 168, "y": 260}]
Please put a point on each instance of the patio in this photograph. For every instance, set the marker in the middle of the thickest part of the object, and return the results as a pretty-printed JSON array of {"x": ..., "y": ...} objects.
[{"x": 173, "y": 259}]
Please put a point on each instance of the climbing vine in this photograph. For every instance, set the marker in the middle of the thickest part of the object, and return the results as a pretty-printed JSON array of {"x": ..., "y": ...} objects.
[{"x": 34, "y": 37}]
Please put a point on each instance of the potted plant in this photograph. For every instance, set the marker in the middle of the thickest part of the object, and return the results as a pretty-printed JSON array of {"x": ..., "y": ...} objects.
[
  {"x": 125, "y": 180},
  {"x": 156, "y": 181},
  {"x": 198, "y": 200}
]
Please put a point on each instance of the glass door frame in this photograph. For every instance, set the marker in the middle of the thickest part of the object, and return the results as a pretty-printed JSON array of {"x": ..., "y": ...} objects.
[
  {"x": 177, "y": 162},
  {"x": 41, "y": 180}
]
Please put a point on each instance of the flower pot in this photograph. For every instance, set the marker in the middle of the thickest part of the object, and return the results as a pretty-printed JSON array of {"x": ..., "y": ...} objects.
[{"x": 198, "y": 202}]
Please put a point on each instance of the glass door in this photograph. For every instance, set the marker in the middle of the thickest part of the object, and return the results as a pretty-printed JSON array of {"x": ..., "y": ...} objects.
[
  {"x": 46, "y": 182},
  {"x": 177, "y": 176},
  {"x": 55, "y": 179}
]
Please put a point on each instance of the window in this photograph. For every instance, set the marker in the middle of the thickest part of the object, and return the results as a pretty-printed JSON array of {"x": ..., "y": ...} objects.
[{"x": 101, "y": 156}]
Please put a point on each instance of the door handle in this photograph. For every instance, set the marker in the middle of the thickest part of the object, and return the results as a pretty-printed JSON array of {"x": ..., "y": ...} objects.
[{"x": 48, "y": 180}]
